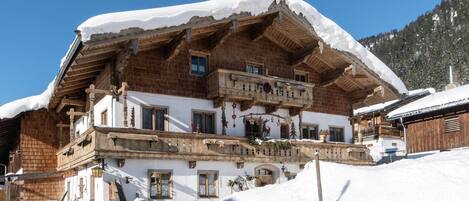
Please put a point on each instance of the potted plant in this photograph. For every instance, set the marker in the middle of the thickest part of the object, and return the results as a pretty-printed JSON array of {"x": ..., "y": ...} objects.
[{"x": 323, "y": 135}]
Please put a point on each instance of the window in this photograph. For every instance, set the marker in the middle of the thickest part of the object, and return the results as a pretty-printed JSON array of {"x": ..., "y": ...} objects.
[
  {"x": 208, "y": 183},
  {"x": 301, "y": 76},
  {"x": 104, "y": 118},
  {"x": 284, "y": 131},
  {"x": 198, "y": 65},
  {"x": 336, "y": 134},
  {"x": 252, "y": 128},
  {"x": 203, "y": 122},
  {"x": 452, "y": 124},
  {"x": 254, "y": 69},
  {"x": 154, "y": 118},
  {"x": 160, "y": 184},
  {"x": 310, "y": 132}
]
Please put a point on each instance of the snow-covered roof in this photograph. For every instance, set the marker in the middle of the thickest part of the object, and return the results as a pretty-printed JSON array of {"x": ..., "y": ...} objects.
[
  {"x": 14, "y": 108},
  {"x": 439, "y": 100},
  {"x": 325, "y": 28},
  {"x": 381, "y": 106},
  {"x": 155, "y": 18}
]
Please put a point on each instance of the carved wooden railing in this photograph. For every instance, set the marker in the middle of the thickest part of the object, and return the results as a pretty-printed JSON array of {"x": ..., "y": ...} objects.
[
  {"x": 135, "y": 143},
  {"x": 242, "y": 86}
]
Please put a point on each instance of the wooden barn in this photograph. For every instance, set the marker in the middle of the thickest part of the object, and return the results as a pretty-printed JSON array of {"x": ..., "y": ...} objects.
[
  {"x": 439, "y": 121},
  {"x": 385, "y": 138}
]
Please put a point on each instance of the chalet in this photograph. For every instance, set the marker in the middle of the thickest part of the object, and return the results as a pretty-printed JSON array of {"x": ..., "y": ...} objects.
[
  {"x": 439, "y": 121},
  {"x": 383, "y": 137},
  {"x": 192, "y": 102}
]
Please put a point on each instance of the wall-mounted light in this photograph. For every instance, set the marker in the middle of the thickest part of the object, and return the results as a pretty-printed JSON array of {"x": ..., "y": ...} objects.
[{"x": 98, "y": 171}]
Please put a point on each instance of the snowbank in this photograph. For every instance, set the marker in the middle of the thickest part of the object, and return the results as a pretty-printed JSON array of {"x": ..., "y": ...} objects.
[
  {"x": 11, "y": 109},
  {"x": 326, "y": 29},
  {"x": 441, "y": 176},
  {"x": 436, "y": 101}
]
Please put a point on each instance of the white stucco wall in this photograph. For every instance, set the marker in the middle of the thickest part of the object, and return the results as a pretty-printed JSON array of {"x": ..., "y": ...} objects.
[
  {"x": 378, "y": 147},
  {"x": 184, "y": 181},
  {"x": 180, "y": 115}
]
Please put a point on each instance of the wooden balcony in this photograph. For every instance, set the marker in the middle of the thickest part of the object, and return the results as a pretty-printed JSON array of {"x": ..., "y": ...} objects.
[
  {"x": 120, "y": 143},
  {"x": 253, "y": 89},
  {"x": 377, "y": 131}
]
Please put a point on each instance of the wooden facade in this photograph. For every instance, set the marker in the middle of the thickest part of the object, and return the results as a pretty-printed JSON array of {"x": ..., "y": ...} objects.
[
  {"x": 429, "y": 132},
  {"x": 158, "y": 62}
]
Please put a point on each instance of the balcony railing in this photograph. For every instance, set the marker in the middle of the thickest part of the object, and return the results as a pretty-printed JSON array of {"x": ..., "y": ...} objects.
[
  {"x": 144, "y": 144},
  {"x": 268, "y": 90},
  {"x": 380, "y": 131}
]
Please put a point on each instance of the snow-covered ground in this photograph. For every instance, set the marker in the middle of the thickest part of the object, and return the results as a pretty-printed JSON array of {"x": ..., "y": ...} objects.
[{"x": 440, "y": 177}]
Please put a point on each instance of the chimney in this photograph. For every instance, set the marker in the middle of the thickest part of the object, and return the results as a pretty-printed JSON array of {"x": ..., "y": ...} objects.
[{"x": 451, "y": 84}]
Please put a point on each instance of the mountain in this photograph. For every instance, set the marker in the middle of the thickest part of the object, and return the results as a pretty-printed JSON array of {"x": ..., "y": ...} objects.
[{"x": 421, "y": 53}]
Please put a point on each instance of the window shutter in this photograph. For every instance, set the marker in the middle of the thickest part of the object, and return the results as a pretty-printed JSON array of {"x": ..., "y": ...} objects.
[{"x": 452, "y": 124}]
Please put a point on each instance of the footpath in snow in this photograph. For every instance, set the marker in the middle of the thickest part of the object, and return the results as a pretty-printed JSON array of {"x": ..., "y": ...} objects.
[{"x": 442, "y": 176}]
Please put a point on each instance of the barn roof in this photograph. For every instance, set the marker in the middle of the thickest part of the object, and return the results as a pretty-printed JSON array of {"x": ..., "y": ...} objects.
[
  {"x": 390, "y": 105},
  {"x": 434, "y": 102}
]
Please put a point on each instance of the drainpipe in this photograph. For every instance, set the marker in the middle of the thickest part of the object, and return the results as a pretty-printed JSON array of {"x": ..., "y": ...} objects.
[{"x": 405, "y": 136}]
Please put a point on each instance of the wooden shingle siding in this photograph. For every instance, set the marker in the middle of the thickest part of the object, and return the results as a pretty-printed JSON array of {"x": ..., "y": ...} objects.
[
  {"x": 432, "y": 134},
  {"x": 150, "y": 72}
]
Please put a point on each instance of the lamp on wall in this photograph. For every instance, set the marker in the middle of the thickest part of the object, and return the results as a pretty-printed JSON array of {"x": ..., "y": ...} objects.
[{"x": 98, "y": 171}]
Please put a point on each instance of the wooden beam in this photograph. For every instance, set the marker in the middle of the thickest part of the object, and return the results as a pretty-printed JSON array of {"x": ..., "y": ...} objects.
[
  {"x": 65, "y": 101},
  {"x": 303, "y": 55},
  {"x": 174, "y": 46},
  {"x": 329, "y": 78},
  {"x": 221, "y": 35},
  {"x": 245, "y": 105},
  {"x": 259, "y": 31},
  {"x": 123, "y": 56},
  {"x": 269, "y": 109}
]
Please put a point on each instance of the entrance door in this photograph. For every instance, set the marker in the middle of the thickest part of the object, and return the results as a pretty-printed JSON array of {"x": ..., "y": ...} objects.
[{"x": 264, "y": 177}]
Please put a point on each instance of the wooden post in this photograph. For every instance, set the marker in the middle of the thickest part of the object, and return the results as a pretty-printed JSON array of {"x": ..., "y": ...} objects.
[
  {"x": 318, "y": 175},
  {"x": 92, "y": 97},
  {"x": 300, "y": 124},
  {"x": 123, "y": 91},
  {"x": 224, "y": 123},
  {"x": 72, "y": 115},
  {"x": 360, "y": 134},
  {"x": 72, "y": 124},
  {"x": 92, "y": 91},
  {"x": 61, "y": 126}
]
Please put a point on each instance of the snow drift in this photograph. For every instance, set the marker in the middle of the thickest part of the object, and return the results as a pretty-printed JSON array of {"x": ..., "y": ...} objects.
[{"x": 441, "y": 176}]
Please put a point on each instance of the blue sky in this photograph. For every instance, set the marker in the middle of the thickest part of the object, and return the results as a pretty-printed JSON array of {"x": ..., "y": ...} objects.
[{"x": 36, "y": 34}]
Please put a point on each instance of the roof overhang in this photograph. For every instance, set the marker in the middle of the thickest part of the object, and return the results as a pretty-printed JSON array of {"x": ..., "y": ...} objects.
[{"x": 290, "y": 31}]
